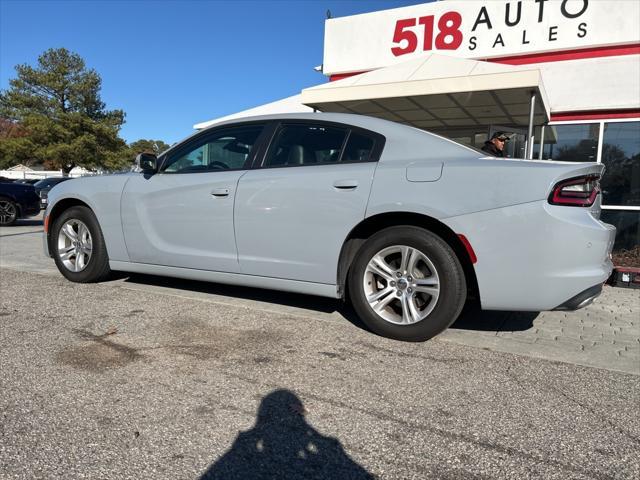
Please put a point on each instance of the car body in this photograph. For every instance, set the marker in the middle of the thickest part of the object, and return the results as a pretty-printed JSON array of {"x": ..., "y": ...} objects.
[
  {"x": 28, "y": 181},
  {"x": 17, "y": 200},
  {"x": 309, "y": 197},
  {"x": 45, "y": 185}
]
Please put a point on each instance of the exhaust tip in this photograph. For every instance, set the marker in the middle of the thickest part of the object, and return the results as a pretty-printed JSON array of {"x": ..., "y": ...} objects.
[{"x": 581, "y": 300}]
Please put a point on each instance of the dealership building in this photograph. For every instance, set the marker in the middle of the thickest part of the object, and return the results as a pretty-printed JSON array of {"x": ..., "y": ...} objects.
[{"x": 561, "y": 76}]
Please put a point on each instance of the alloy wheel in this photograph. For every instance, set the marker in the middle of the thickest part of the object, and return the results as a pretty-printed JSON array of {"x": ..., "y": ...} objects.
[
  {"x": 75, "y": 245},
  {"x": 8, "y": 212},
  {"x": 401, "y": 285}
]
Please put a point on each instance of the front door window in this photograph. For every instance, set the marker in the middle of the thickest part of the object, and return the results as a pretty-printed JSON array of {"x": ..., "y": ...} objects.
[{"x": 227, "y": 149}]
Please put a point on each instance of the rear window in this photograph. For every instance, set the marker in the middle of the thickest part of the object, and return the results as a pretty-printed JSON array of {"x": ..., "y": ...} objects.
[{"x": 358, "y": 148}]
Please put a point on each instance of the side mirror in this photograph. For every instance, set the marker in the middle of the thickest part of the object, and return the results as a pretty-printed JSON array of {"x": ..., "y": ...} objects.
[{"x": 147, "y": 162}]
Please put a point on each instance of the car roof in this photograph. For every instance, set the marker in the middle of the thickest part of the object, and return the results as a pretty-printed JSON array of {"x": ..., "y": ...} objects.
[
  {"x": 398, "y": 135},
  {"x": 363, "y": 121}
]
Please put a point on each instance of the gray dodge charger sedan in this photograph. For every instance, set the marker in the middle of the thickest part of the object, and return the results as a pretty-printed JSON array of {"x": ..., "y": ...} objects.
[{"x": 405, "y": 224}]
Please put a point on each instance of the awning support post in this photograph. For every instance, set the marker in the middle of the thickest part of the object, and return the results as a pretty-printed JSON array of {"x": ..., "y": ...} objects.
[{"x": 532, "y": 111}]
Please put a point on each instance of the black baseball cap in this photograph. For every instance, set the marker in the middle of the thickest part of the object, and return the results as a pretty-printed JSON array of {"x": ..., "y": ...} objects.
[{"x": 504, "y": 136}]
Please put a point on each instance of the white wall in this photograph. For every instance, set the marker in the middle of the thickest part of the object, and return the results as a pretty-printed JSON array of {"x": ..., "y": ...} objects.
[
  {"x": 40, "y": 174},
  {"x": 605, "y": 83}
]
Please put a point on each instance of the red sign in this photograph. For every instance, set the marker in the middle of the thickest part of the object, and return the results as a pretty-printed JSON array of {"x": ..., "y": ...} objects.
[{"x": 447, "y": 37}]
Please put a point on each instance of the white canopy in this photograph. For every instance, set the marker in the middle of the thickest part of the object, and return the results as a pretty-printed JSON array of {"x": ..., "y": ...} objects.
[
  {"x": 438, "y": 91},
  {"x": 286, "y": 105}
]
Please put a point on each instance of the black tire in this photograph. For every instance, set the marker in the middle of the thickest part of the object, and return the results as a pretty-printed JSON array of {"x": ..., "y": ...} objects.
[
  {"x": 452, "y": 285},
  {"x": 97, "y": 268},
  {"x": 10, "y": 212}
]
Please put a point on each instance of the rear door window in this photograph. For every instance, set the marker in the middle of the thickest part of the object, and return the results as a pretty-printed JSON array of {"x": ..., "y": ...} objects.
[{"x": 297, "y": 145}]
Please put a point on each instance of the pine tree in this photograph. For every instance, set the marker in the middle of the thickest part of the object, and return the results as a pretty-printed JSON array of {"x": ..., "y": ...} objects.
[{"x": 61, "y": 117}]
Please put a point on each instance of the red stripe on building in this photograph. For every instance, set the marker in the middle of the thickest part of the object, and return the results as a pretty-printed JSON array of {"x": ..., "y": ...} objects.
[
  {"x": 595, "y": 52},
  {"x": 594, "y": 115},
  {"x": 340, "y": 76}
]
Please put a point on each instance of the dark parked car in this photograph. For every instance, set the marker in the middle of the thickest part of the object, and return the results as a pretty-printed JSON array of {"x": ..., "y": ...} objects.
[
  {"x": 17, "y": 200},
  {"x": 43, "y": 186}
]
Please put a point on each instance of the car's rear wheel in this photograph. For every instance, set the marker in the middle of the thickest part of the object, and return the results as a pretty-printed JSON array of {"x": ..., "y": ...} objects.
[
  {"x": 407, "y": 283},
  {"x": 78, "y": 246},
  {"x": 8, "y": 212}
]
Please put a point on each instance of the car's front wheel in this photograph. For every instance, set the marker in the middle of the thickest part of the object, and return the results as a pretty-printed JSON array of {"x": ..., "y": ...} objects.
[
  {"x": 407, "y": 283},
  {"x": 78, "y": 246},
  {"x": 8, "y": 212}
]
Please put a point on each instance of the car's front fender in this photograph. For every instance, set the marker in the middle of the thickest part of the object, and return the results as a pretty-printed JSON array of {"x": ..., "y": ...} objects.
[{"x": 102, "y": 194}]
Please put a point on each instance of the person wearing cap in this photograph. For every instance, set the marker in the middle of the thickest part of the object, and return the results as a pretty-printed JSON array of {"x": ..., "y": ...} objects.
[{"x": 495, "y": 146}]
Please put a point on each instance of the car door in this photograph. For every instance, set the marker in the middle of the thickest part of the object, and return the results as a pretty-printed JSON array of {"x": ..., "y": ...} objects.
[
  {"x": 182, "y": 216},
  {"x": 294, "y": 211}
]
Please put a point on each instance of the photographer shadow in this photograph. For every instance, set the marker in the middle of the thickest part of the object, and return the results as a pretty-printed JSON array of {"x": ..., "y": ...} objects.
[{"x": 283, "y": 445}]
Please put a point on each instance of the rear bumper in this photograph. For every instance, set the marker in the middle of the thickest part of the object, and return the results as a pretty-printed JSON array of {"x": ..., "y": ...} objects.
[
  {"x": 28, "y": 209},
  {"x": 31, "y": 209},
  {"x": 535, "y": 256},
  {"x": 581, "y": 300}
]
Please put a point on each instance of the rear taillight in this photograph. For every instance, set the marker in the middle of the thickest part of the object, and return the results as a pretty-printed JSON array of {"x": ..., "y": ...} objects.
[{"x": 576, "y": 192}]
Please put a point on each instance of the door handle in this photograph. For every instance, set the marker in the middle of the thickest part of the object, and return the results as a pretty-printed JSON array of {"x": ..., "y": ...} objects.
[
  {"x": 220, "y": 192},
  {"x": 345, "y": 184}
]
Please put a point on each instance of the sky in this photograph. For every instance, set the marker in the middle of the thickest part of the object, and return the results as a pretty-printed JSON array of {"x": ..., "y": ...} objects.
[{"x": 170, "y": 64}]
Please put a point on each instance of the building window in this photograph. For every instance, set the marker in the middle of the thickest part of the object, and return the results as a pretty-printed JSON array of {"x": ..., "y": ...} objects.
[
  {"x": 571, "y": 143},
  {"x": 621, "y": 156},
  {"x": 626, "y": 250}
]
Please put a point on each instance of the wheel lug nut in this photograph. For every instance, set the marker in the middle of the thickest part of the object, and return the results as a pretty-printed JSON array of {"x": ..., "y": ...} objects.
[
  {"x": 398, "y": 274},
  {"x": 410, "y": 290},
  {"x": 399, "y": 293},
  {"x": 409, "y": 279},
  {"x": 393, "y": 284}
]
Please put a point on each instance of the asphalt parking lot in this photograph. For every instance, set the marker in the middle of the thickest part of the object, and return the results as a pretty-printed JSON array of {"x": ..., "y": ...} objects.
[{"x": 143, "y": 377}]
